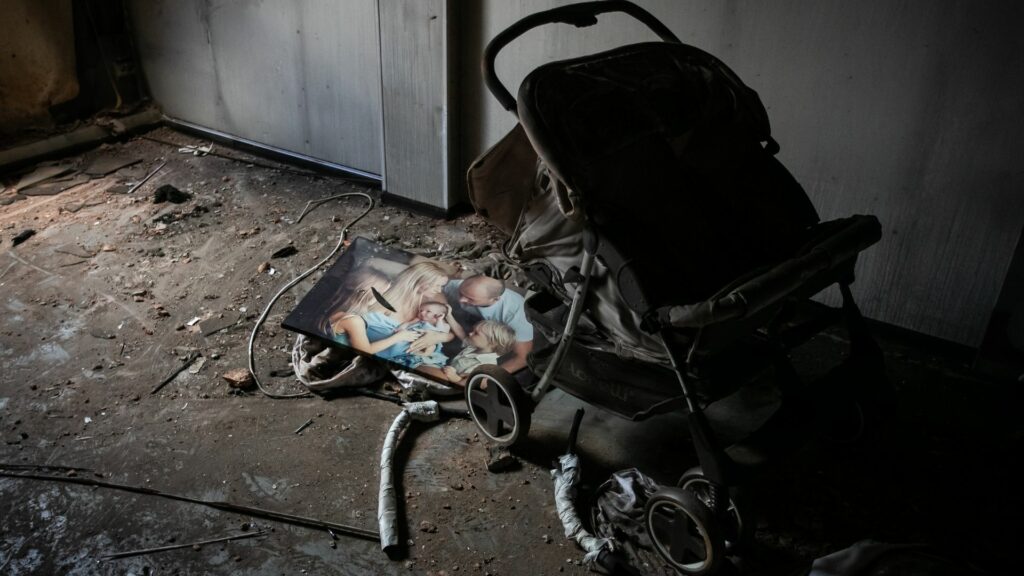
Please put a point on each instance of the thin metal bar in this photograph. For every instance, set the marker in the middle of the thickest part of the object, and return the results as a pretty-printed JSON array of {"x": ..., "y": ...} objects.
[
  {"x": 188, "y": 362},
  {"x": 575, "y": 311},
  {"x": 146, "y": 179},
  {"x": 226, "y": 506},
  {"x": 142, "y": 551},
  {"x": 678, "y": 367}
]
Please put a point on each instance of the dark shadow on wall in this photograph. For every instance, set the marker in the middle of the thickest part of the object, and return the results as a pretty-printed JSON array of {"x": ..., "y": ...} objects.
[{"x": 472, "y": 92}]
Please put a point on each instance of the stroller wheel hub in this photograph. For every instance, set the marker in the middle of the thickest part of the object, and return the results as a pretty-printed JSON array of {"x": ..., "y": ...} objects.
[
  {"x": 498, "y": 405},
  {"x": 683, "y": 530}
]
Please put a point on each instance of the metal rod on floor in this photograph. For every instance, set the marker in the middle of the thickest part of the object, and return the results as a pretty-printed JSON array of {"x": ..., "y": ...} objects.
[
  {"x": 226, "y": 506},
  {"x": 146, "y": 179},
  {"x": 142, "y": 551}
]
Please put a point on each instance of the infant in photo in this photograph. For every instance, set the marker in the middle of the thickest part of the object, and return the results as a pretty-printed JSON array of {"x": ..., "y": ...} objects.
[{"x": 429, "y": 318}]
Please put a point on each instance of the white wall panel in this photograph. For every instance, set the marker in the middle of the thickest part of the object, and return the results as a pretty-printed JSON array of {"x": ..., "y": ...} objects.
[
  {"x": 417, "y": 100},
  {"x": 303, "y": 76}
]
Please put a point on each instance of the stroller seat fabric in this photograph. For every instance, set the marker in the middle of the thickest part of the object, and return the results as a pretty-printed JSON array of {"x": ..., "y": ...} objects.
[{"x": 663, "y": 143}]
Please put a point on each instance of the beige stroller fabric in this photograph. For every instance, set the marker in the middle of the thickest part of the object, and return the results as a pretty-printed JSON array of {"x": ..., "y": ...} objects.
[{"x": 545, "y": 228}]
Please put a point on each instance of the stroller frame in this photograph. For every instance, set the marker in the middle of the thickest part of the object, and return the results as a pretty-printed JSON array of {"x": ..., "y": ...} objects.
[{"x": 763, "y": 298}]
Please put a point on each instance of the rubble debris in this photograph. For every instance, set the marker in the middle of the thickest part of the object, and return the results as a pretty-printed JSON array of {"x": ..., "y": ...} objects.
[
  {"x": 101, "y": 334},
  {"x": 169, "y": 216},
  {"x": 109, "y": 164},
  {"x": 285, "y": 252},
  {"x": 168, "y": 193},
  {"x": 10, "y": 197},
  {"x": 41, "y": 174},
  {"x": 22, "y": 236},
  {"x": 213, "y": 325},
  {"x": 54, "y": 187},
  {"x": 197, "y": 365},
  {"x": 499, "y": 459},
  {"x": 76, "y": 206},
  {"x": 239, "y": 378},
  {"x": 76, "y": 251}
]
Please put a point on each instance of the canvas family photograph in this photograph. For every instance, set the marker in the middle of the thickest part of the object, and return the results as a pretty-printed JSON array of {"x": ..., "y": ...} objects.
[{"x": 416, "y": 314}]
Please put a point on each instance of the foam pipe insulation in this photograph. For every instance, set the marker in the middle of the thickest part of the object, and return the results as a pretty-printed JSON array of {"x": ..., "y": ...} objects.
[
  {"x": 387, "y": 508},
  {"x": 566, "y": 476}
]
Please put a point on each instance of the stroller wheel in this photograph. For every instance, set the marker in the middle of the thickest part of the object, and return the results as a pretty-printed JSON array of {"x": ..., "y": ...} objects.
[
  {"x": 684, "y": 532},
  {"x": 498, "y": 405},
  {"x": 737, "y": 522}
]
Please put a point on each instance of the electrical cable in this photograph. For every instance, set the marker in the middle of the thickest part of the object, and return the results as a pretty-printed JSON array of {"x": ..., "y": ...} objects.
[{"x": 341, "y": 242}]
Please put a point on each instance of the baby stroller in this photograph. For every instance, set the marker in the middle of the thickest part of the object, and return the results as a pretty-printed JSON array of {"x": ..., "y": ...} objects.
[{"x": 672, "y": 255}]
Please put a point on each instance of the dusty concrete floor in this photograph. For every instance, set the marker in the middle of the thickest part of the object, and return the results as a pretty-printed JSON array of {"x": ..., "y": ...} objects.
[{"x": 96, "y": 312}]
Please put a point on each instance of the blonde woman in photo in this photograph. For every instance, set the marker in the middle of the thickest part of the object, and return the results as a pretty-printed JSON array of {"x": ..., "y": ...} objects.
[{"x": 376, "y": 329}]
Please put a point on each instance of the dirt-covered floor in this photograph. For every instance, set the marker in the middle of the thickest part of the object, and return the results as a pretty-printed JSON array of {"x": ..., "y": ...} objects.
[{"x": 113, "y": 292}]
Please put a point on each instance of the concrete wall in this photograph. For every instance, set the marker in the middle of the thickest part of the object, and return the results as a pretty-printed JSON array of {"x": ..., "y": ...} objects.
[
  {"x": 37, "y": 61},
  {"x": 301, "y": 76},
  {"x": 909, "y": 110}
]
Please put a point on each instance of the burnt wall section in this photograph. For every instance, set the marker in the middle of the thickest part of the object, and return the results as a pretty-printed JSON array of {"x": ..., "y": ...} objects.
[{"x": 37, "y": 62}]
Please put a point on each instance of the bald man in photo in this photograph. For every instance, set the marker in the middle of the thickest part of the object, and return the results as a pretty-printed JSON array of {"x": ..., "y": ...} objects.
[{"x": 481, "y": 297}]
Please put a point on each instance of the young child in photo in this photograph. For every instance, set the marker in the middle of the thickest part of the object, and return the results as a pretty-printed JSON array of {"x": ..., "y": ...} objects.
[
  {"x": 429, "y": 318},
  {"x": 485, "y": 343}
]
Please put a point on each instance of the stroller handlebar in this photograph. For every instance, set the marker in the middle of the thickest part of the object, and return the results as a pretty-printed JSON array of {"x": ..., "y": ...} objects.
[{"x": 580, "y": 15}]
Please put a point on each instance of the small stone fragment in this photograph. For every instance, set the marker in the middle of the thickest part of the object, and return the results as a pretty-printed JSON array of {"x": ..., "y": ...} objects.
[
  {"x": 499, "y": 459},
  {"x": 239, "y": 378}
]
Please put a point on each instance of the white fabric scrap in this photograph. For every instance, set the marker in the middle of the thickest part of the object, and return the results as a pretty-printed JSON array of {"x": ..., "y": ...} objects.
[{"x": 566, "y": 477}]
